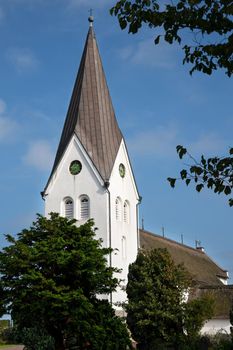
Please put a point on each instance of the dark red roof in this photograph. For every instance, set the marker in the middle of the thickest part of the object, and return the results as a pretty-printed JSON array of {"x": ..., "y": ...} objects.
[{"x": 90, "y": 114}]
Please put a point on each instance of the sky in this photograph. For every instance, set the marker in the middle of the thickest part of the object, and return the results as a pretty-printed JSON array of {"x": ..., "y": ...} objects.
[{"x": 157, "y": 103}]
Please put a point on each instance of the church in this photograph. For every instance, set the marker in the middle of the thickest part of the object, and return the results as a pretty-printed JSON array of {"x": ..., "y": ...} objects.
[{"x": 92, "y": 177}]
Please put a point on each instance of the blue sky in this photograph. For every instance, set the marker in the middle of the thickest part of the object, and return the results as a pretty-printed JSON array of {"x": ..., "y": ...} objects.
[{"x": 157, "y": 103}]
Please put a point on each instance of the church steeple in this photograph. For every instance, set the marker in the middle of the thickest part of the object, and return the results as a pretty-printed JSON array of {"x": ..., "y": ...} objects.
[
  {"x": 90, "y": 114},
  {"x": 92, "y": 175}
]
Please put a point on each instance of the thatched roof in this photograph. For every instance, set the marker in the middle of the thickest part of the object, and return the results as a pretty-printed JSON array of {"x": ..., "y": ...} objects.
[
  {"x": 202, "y": 268},
  {"x": 222, "y": 295}
]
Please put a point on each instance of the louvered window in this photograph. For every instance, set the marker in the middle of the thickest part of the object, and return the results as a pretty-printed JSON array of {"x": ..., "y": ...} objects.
[
  {"x": 118, "y": 209},
  {"x": 126, "y": 211},
  {"x": 84, "y": 207},
  {"x": 69, "y": 208}
]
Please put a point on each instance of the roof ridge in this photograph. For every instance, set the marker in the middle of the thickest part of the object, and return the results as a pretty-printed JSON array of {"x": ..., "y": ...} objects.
[
  {"x": 185, "y": 246},
  {"x": 173, "y": 241}
]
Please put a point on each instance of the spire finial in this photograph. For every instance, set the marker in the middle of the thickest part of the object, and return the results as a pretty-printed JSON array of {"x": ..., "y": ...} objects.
[{"x": 91, "y": 18}]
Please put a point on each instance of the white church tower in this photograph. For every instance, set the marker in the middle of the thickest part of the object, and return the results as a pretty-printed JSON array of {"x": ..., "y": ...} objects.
[{"x": 92, "y": 176}]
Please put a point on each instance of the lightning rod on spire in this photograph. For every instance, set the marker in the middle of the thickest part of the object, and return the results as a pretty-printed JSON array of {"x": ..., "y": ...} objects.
[{"x": 91, "y": 18}]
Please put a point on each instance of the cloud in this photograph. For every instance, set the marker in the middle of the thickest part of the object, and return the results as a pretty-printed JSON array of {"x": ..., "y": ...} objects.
[
  {"x": 7, "y": 128},
  {"x": 39, "y": 155},
  {"x": 208, "y": 143},
  {"x": 2, "y": 106},
  {"x": 159, "y": 142},
  {"x": 147, "y": 53},
  {"x": 162, "y": 141},
  {"x": 22, "y": 59}
]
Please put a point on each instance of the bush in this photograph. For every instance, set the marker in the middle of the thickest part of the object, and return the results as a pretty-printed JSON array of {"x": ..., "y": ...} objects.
[
  {"x": 9, "y": 335},
  {"x": 36, "y": 339},
  {"x": 221, "y": 342}
]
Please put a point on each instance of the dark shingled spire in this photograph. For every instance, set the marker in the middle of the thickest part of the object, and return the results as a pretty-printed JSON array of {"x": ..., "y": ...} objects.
[{"x": 91, "y": 115}]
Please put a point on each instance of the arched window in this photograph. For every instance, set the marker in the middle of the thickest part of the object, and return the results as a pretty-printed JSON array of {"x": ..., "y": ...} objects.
[
  {"x": 84, "y": 207},
  {"x": 126, "y": 212},
  {"x": 69, "y": 208},
  {"x": 118, "y": 209},
  {"x": 123, "y": 247}
]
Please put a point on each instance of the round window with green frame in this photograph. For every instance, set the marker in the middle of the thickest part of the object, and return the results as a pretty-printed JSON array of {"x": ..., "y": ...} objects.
[
  {"x": 75, "y": 167},
  {"x": 122, "y": 170}
]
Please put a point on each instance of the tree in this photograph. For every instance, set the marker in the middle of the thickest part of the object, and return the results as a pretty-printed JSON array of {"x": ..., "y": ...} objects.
[
  {"x": 209, "y": 21},
  {"x": 157, "y": 312},
  {"x": 231, "y": 321},
  {"x": 215, "y": 173},
  {"x": 51, "y": 275}
]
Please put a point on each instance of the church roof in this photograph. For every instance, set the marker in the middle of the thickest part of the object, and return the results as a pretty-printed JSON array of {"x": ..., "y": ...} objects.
[
  {"x": 222, "y": 295},
  {"x": 90, "y": 114},
  {"x": 203, "y": 269}
]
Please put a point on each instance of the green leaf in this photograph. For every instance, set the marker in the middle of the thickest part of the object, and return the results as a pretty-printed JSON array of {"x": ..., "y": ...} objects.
[
  {"x": 171, "y": 181},
  {"x": 199, "y": 187},
  {"x": 183, "y": 174},
  {"x": 123, "y": 23},
  {"x": 181, "y": 151},
  {"x": 156, "y": 41},
  {"x": 227, "y": 190}
]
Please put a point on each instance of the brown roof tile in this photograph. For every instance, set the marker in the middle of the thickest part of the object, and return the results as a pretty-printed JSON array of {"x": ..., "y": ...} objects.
[
  {"x": 204, "y": 270},
  {"x": 90, "y": 114}
]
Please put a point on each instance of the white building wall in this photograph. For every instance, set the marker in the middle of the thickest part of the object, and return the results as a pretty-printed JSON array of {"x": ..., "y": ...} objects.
[
  {"x": 63, "y": 184},
  {"x": 215, "y": 326},
  {"x": 124, "y": 234}
]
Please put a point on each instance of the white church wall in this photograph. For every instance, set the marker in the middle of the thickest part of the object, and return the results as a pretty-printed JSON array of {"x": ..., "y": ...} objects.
[
  {"x": 124, "y": 234},
  {"x": 88, "y": 182},
  {"x": 215, "y": 326}
]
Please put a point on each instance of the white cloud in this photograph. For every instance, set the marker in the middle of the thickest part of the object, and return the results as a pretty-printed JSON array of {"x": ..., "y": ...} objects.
[
  {"x": 208, "y": 143},
  {"x": 147, "y": 53},
  {"x": 159, "y": 142},
  {"x": 39, "y": 155},
  {"x": 2, "y": 106},
  {"x": 23, "y": 59},
  {"x": 7, "y": 128},
  {"x": 162, "y": 141}
]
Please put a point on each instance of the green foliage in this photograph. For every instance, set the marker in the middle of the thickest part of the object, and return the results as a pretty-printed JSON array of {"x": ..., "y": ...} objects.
[
  {"x": 210, "y": 22},
  {"x": 231, "y": 321},
  {"x": 36, "y": 339},
  {"x": 220, "y": 341},
  {"x": 4, "y": 324},
  {"x": 157, "y": 314},
  {"x": 214, "y": 173},
  {"x": 4, "y": 327},
  {"x": 197, "y": 311},
  {"x": 51, "y": 275},
  {"x": 10, "y": 335}
]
